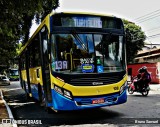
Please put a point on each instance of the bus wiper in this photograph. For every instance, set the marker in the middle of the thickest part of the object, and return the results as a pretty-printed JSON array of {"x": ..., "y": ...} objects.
[{"x": 77, "y": 37}]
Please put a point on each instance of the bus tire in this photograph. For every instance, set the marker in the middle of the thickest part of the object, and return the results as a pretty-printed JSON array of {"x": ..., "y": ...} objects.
[
  {"x": 48, "y": 110},
  {"x": 26, "y": 93},
  {"x": 40, "y": 95}
]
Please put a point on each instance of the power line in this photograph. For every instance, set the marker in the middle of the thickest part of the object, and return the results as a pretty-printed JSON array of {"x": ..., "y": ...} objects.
[
  {"x": 154, "y": 36},
  {"x": 153, "y": 29},
  {"x": 141, "y": 17},
  {"x": 149, "y": 18}
]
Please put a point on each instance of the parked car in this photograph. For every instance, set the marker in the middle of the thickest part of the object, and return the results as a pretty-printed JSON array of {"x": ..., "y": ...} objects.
[{"x": 4, "y": 80}]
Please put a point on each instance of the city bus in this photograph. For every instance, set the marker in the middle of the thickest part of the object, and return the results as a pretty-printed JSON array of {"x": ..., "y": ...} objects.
[
  {"x": 13, "y": 74},
  {"x": 75, "y": 61}
]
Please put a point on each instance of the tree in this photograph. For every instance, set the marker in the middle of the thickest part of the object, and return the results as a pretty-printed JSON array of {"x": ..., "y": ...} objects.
[
  {"x": 16, "y": 20},
  {"x": 134, "y": 40}
]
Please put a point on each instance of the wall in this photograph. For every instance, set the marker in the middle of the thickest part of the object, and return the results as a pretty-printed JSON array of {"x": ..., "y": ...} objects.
[{"x": 153, "y": 69}]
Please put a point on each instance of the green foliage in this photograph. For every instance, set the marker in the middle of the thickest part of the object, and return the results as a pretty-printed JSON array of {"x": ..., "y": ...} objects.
[
  {"x": 134, "y": 40},
  {"x": 15, "y": 21}
]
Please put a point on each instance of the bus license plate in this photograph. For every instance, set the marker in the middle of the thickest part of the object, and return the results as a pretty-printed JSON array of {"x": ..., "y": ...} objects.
[{"x": 97, "y": 101}]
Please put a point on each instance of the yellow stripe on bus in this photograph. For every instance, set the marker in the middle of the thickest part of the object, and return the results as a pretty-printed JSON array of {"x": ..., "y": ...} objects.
[{"x": 92, "y": 90}]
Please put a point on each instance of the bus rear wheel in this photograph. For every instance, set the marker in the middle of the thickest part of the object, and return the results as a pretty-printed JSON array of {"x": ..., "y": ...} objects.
[
  {"x": 27, "y": 97},
  {"x": 40, "y": 96},
  {"x": 42, "y": 101}
]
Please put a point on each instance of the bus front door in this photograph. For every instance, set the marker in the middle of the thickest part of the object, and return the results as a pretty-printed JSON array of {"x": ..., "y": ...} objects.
[{"x": 45, "y": 67}]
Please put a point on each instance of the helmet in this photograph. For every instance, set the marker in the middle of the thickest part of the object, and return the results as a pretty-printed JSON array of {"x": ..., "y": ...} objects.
[
  {"x": 144, "y": 68},
  {"x": 140, "y": 70}
]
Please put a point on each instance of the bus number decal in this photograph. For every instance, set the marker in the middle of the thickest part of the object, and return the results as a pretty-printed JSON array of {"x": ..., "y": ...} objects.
[
  {"x": 60, "y": 65},
  {"x": 86, "y": 60},
  {"x": 115, "y": 88}
]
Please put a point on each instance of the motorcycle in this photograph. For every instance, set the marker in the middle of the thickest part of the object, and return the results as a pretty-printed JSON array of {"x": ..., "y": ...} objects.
[{"x": 144, "y": 91}]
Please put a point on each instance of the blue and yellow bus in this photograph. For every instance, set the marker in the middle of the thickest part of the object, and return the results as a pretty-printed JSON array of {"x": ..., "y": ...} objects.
[{"x": 76, "y": 61}]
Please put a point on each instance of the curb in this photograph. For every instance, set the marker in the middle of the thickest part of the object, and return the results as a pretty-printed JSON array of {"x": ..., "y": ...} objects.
[
  {"x": 157, "y": 89},
  {"x": 8, "y": 109}
]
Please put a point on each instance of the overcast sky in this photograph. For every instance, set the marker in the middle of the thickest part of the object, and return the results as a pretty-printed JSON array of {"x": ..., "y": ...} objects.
[
  {"x": 130, "y": 9},
  {"x": 137, "y": 11}
]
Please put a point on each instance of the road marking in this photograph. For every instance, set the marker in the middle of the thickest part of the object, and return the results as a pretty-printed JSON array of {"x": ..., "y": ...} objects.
[
  {"x": 20, "y": 104},
  {"x": 13, "y": 89}
]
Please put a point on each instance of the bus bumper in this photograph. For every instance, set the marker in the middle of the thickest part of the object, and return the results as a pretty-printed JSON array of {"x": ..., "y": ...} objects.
[{"x": 77, "y": 103}]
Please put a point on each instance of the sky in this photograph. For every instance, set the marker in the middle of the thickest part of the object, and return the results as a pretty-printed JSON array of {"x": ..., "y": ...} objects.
[{"x": 145, "y": 13}]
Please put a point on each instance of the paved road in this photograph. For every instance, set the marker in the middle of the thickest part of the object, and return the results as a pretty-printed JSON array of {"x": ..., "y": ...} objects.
[{"x": 136, "y": 108}]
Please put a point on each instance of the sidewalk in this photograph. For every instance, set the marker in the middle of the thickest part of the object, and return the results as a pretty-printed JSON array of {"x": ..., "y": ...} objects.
[
  {"x": 3, "y": 110},
  {"x": 155, "y": 87},
  {"x": 5, "y": 113}
]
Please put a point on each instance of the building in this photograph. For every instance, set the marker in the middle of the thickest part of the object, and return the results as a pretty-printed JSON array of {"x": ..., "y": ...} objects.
[
  {"x": 153, "y": 69},
  {"x": 150, "y": 55},
  {"x": 149, "y": 58}
]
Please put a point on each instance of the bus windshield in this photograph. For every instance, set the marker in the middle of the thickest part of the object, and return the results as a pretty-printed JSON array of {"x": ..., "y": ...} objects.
[
  {"x": 87, "y": 53},
  {"x": 13, "y": 72}
]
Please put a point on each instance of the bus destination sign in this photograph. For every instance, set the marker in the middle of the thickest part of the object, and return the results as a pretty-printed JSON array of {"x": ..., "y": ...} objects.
[{"x": 82, "y": 22}]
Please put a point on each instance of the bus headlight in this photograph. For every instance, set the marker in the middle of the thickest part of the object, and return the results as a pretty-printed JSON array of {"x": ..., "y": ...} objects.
[
  {"x": 67, "y": 94},
  {"x": 58, "y": 89},
  {"x": 123, "y": 87},
  {"x": 63, "y": 91}
]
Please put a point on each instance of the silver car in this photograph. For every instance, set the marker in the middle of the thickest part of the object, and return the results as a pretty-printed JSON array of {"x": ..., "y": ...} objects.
[{"x": 4, "y": 80}]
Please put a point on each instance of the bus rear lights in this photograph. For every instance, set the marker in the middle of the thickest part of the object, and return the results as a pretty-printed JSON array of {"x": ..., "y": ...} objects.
[
  {"x": 123, "y": 87},
  {"x": 63, "y": 92}
]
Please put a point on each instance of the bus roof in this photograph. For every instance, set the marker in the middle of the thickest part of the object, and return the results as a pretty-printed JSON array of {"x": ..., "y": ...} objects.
[{"x": 83, "y": 13}]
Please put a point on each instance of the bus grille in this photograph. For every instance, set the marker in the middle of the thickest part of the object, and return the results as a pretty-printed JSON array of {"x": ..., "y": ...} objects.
[
  {"x": 85, "y": 102},
  {"x": 95, "y": 81}
]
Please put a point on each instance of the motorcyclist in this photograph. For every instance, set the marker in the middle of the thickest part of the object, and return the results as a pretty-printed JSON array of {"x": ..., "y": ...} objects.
[
  {"x": 146, "y": 77},
  {"x": 143, "y": 80},
  {"x": 138, "y": 77}
]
